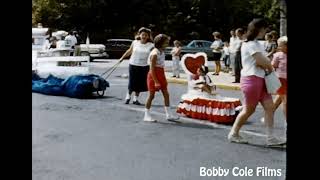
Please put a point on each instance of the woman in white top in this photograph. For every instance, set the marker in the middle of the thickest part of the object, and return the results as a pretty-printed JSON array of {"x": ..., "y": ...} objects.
[
  {"x": 138, "y": 64},
  {"x": 255, "y": 64},
  {"x": 217, "y": 47}
]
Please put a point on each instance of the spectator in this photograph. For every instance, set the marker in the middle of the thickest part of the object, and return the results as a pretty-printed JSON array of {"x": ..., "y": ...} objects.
[
  {"x": 176, "y": 51},
  {"x": 71, "y": 40},
  {"x": 232, "y": 50},
  {"x": 53, "y": 42},
  {"x": 217, "y": 47},
  {"x": 271, "y": 45},
  {"x": 226, "y": 55},
  {"x": 237, "y": 60}
]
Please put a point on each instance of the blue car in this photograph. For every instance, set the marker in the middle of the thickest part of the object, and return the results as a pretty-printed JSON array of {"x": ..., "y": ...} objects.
[{"x": 193, "y": 47}]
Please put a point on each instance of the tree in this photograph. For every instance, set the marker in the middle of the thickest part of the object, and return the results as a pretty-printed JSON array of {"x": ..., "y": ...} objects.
[
  {"x": 283, "y": 18},
  {"x": 177, "y": 18}
]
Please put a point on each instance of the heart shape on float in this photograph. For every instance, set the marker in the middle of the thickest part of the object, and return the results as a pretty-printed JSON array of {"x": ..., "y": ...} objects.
[{"x": 191, "y": 62}]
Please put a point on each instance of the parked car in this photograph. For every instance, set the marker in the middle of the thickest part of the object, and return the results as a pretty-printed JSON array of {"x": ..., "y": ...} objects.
[
  {"x": 116, "y": 47},
  {"x": 193, "y": 47},
  {"x": 95, "y": 51}
]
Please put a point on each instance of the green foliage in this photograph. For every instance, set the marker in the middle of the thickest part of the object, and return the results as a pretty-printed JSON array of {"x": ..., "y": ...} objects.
[{"x": 181, "y": 19}]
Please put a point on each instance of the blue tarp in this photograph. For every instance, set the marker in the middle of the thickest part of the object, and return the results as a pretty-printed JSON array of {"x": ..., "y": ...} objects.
[{"x": 77, "y": 86}]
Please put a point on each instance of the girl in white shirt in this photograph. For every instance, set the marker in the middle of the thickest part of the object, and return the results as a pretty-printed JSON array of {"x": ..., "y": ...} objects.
[
  {"x": 138, "y": 64},
  {"x": 255, "y": 63},
  {"x": 156, "y": 78}
]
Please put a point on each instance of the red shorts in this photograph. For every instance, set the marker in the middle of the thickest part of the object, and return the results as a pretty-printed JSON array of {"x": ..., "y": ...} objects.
[
  {"x": 161, "y": 78},
  {"x": 254, "y": 90},
  {"x": 283, "y": 89}
]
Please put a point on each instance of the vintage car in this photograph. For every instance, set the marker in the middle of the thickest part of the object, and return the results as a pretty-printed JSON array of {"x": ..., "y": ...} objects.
[
  {"x": 117, "y": 47},
  {"x": 95, "y": 51},
  {"x": 193, "y": 47}
]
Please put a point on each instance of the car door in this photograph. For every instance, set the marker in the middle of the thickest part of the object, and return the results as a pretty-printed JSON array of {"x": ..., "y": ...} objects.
[{"x": 207, "y": 49}]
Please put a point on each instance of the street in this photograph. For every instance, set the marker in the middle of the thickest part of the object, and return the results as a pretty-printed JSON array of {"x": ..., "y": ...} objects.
[{"x": 103, "y": 138}]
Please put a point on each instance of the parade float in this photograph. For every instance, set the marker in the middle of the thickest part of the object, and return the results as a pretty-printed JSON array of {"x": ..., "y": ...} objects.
[{"x": 202, "y": 105}]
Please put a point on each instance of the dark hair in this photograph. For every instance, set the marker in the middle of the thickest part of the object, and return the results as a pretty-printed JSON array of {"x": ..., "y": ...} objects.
[
  {"x": 254, "y": 28},
  {"x": 146, "y": 30},
  {"x": 178, "y": 42},
  {"x": 204, "y": 69},
  {"x": 160, "y": 39},
  {"x": 269, "y": 35},
  {"x": 240, "y": 30},
  {"x": 274, "y": 34}
]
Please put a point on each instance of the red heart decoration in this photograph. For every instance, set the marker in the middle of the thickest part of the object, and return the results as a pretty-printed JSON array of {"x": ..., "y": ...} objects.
[{"x": 193, "y": 61}]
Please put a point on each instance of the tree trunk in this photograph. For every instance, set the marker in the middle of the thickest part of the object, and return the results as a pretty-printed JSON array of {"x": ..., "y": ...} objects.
[{"x": 283, "y": 18}]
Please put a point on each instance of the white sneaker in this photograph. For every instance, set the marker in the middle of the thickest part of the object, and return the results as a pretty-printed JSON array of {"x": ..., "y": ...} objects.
[
  {"x": 236, "y": 139},
  {"x": 172, "y": 118},
  {"x": 273, "y": 141},
  {"x": 149, "y": 119},
  {"x": 239, "y": 108}
]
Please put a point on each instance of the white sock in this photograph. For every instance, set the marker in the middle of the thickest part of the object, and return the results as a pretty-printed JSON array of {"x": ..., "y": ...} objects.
[
  {"x": 128, "y": 96},
  {"x": 166, "y": 109},
  {"x": 147, "y": 112},
  {"x": 135, "y": 98},
  {"x": 269, "y": 132}
]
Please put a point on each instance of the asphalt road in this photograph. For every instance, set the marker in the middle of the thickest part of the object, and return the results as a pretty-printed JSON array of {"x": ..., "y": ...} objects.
[{"x": 102, "y": 138}]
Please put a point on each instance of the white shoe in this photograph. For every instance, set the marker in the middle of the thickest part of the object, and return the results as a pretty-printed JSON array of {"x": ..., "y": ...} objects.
[
  {"x": 236, "y": 139},
  {"x": 239, "y": 108},
  {"x": 273, "y": 141},
  {"x": 172, "y": 118},
  {"x": 149, "y": 119}
]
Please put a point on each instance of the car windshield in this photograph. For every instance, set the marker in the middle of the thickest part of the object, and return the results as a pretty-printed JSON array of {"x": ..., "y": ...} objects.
[{"x": 199, "y": 44}]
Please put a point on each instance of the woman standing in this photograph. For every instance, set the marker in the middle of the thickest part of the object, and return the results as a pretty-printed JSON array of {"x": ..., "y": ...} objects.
[
  {"x": 252, "y": 83},
  {"x": 237, "y": 60},
  {"x": 138, "y": 64},
  {"x": 217, "y": 47},
  {"x": 176, "y": 51}
]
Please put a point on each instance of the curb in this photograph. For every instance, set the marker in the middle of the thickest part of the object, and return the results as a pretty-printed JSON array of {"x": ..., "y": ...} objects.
[{"x": 219, "y": 85}]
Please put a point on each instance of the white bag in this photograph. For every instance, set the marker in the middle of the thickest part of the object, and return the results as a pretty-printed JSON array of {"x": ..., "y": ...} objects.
[{"x": 272, "y": 82}]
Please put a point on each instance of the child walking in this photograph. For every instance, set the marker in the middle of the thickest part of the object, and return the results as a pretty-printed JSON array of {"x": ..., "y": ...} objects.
[
  {"x": 156, "y": 79},
  {"x": 279, "y": 62}
]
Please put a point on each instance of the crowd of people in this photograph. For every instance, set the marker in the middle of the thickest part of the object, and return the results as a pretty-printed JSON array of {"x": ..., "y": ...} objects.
[{"x": 247, "y": 59}]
